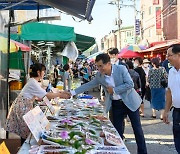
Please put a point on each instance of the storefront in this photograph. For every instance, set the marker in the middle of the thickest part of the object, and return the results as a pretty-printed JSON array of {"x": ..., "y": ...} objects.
[{"x": 159, "y": 49}]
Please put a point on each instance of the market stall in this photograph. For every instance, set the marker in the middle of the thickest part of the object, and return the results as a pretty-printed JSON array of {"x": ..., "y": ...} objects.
[{"x": 78, "y": 125}]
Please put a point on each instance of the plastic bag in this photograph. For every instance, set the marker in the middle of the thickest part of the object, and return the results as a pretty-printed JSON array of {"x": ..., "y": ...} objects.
[{"x": 70, "y": 51}]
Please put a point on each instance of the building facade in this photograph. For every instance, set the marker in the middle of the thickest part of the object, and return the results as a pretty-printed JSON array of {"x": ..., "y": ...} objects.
[
  {"x": 160, "y": 20},
  {"x": 112, "y": 40},
  {"x": 170, "y": 22},
  {"x": 151, "y": 20},
  {"x": 178, "y": 18}
]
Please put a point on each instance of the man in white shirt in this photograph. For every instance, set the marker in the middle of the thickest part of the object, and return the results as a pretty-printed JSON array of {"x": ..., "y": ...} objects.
[{"x": 172, "y": 95}]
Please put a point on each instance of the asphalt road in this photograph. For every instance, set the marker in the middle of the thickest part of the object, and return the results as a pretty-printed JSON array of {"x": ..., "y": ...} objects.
[{"x": 158, "y": 136}]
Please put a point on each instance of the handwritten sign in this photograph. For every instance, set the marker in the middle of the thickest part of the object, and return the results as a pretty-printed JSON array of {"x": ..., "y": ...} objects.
[
  {"x": 4, "y": 149},
  {"x": 36, "y": 122},
  {"x": 40, "y": 116}
]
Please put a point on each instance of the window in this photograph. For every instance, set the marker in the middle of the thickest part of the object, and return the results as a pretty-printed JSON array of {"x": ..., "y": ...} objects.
[
  {"x": 149, "y": 32},
  {"x": 155, "y": 2},
  {"x": 173, "y": 2},
  {"x": 127, "y": 34},
  {"x": 150, "y": 10},
  {"x": 102, "y": 45}
]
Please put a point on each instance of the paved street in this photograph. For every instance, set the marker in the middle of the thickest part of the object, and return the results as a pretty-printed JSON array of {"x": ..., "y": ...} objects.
[{"x": 159, "y": 138}]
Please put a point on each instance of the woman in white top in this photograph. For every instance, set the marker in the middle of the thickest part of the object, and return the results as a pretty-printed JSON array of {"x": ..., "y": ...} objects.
[{"x": 24, "y": 102}]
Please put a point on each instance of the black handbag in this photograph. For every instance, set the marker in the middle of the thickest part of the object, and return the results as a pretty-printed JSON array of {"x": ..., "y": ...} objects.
[{"x": 164, "y": 83}]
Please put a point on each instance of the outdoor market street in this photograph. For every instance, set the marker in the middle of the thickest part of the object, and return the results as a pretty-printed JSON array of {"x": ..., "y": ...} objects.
[{"x": 159, "y": 138}]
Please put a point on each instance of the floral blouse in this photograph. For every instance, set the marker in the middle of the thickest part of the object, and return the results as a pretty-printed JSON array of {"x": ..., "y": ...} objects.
[{"x": 155, "y": 76}]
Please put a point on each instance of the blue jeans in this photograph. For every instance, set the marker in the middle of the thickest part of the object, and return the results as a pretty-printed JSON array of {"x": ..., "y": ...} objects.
[
  {"x": 119, "y": 110},
  {"x": 176, "y": 128}
]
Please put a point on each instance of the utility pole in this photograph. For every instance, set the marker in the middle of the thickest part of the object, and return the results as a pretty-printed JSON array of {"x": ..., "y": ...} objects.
[
  {"x": 118, "y": 5},
  {"x": 119, "y": 23}
]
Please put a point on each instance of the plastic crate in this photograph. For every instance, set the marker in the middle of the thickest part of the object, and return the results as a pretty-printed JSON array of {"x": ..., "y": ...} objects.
[{"x": 15, "y": 85}]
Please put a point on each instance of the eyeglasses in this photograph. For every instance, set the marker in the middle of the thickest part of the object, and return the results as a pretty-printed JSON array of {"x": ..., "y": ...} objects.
[{"x": 169, "y": 55}]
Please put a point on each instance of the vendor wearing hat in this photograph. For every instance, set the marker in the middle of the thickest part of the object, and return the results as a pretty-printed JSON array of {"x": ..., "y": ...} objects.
[{"x": 146, "y": 66}]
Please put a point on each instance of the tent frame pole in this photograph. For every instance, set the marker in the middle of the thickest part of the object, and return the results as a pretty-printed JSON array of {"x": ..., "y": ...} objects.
[{"x": 8, "y": 59}]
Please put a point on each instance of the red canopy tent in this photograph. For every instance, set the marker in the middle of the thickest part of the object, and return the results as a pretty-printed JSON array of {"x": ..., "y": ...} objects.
[
  {"x": 129, "y": 54},
  {"x": 130, "y": 51}
]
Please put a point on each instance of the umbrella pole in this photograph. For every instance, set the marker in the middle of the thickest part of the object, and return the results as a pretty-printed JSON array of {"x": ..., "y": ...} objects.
[{"x": 8, "y": 59}]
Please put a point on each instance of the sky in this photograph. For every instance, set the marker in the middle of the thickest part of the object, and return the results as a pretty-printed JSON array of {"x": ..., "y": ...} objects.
[{"x": 103, "y": 21}]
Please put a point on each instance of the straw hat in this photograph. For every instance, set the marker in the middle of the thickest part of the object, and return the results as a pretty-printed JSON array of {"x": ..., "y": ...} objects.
[{"x": 146, "y": 61}]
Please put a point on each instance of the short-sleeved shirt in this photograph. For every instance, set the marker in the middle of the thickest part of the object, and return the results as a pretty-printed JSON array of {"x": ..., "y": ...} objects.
[
  {"x": 174, "y": 85},
  {"x": 33, "y": 89},
  {"x": 66, "y": 76}
]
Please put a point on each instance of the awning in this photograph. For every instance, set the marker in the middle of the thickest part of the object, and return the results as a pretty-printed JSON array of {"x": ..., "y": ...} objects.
[
  {"x": 163, "y": 46},
  {"x": 79, "y": 8},
  {"x": 14, "y": 45},
  {"x": 47, "y": 32},
  {"x": 4, "y": 47},
  {"x": 84, "y": 42},
  {"x": 21, "y": 46},
  {"x": 156, "y": 43}
]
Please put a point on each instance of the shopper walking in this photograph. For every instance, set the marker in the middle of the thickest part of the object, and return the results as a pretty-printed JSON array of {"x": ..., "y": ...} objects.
[
  {"x": 155, "y": 76},
  {"x": 173, "y": 95},
  {"x": 138, "y": 68}
]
